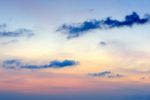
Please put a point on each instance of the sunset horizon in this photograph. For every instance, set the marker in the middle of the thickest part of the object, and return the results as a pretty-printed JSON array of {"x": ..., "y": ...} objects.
[{"x": 74, "y": 50}]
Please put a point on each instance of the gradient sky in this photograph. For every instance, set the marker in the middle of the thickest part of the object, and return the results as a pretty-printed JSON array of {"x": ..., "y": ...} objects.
[{"x": 67, "y": 50}]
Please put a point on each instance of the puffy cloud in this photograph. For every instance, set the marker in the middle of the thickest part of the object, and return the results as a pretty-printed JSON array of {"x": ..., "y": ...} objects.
[{"x": 78, "y": 29}]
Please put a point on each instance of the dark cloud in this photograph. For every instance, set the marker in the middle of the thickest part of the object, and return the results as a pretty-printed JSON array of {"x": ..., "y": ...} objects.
[
  {"x": 75, "y": 30},
  {"x": 129, "y": 21},
  {"x": 17, "y": 64},
  {"x": 64, "y": 63},
  {"x": 22, "y": 32},
  {"x": 106, "y": 74}
]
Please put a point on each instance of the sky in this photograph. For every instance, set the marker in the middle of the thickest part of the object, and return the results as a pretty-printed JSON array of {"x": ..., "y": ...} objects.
[{"x": 74, "y": 49}]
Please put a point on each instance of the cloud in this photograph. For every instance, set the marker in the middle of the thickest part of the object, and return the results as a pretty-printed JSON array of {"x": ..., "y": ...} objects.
[
  {"x": 129, "y": 21},
  {"x": 75, "y": 30},
  {"x": 18, "y": 64},
  {"x": 22, "y": 32},
  {"x": 103, "y": 43},
  {"x": 106, "y": 74},
  {"x": 17, "y": 33},
  {"x": 101, "y": 73},
  {"x": 78, "y": 29},
  {"x": 91, "y": 10},
  {"x": 11, "y": 64},
  {"x": 64, "y": 63},
  {"x": 9, "y": 42}
]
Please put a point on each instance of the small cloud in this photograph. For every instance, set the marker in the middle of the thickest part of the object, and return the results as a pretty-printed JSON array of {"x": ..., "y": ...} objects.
[
  {"x": 103, "y": 43},
  {"x": 77, "y": 29},
  {"x": 64, "y": 63},
  {"x": 106, "y": 74},
  {"x": 143, "y": 78},
  {"x": 22, "y": 32},
  {"x": 9, "y": 42},
  {"x": 12, "y": 64},
  {"x": 17, "y": 64},
  {"x": 100, "y": 73},
  {"x": 17, "y": 33},
  {"x": 91, "y": 10}
]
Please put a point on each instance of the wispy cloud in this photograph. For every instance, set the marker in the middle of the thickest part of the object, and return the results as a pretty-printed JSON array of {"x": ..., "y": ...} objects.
[
  {"x": 106, "y": 74},
  {"x": 21, "y": 32},
  {"x": 78, "y": 29},
  {"x": 11, "y": 64},
  {"x": 18, "y": 64},
  {"x": 9, "y": 42}
]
